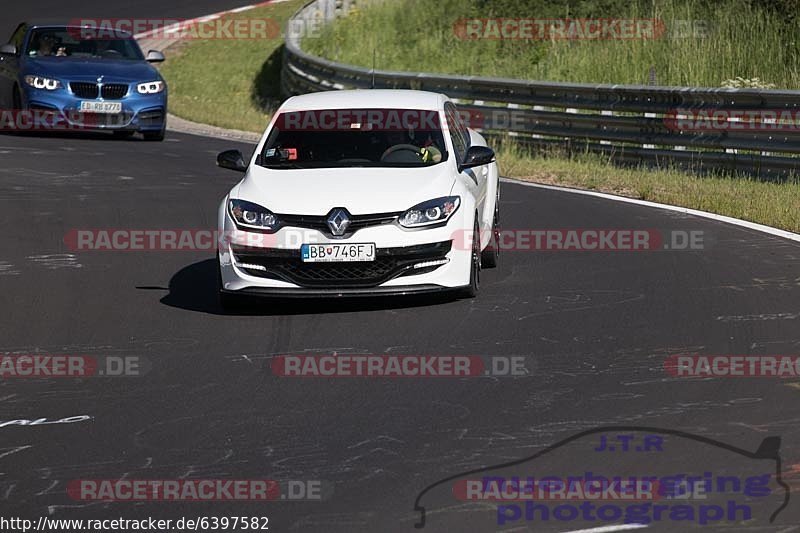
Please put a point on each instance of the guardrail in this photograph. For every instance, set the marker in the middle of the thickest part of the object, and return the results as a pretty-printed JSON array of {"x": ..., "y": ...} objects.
[{"x": 628, "y": 123}]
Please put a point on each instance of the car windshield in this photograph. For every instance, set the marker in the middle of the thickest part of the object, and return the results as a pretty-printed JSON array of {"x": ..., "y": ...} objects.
[
  {"x": 72, "y": 43},
  {"x": 355, "y": 137}
]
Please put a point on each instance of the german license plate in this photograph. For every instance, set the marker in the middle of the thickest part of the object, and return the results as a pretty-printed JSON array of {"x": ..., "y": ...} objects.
[
  {"x": 101, "y": 107},
  {"x": 330, "y": 253}
]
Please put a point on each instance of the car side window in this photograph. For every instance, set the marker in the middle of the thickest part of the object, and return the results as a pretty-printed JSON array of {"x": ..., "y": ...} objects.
[
  {"x": 18, "y": 37},
  {"x": 456, "y": 129},
  {"x": 461, "y": 127}
]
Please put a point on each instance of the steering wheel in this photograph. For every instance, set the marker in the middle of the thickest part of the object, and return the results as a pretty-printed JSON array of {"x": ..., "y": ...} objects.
[
  {"x": 397, "y": 147},
  {"x": 111, "y": 53}
]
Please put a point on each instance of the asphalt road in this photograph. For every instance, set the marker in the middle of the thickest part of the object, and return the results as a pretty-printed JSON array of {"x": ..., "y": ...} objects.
[
  {"x": 594, "y": 328},
  {"x": 15, "y": 12}
]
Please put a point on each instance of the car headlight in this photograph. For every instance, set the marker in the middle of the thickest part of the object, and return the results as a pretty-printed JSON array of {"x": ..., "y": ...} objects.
[
  {"x": 249, "y": 215},
  {"x": 151, "y": 87},
  {"x": 430, "y": 213},
  {"x": 40, "y": 82}
]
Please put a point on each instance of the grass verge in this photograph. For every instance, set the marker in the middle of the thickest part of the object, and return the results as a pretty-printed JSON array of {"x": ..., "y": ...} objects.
[
  {"x": 231, "y": 83},
  {"x": 703, "y": 42}
]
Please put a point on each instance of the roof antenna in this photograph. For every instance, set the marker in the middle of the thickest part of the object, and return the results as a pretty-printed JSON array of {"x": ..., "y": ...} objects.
[{"x": 373, "y": 69}]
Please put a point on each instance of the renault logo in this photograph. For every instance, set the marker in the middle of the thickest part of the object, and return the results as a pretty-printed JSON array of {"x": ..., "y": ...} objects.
[{"x": 338, "y": 221}]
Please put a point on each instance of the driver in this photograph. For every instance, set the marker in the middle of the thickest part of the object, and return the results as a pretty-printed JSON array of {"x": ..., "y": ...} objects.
[
  {"x": 46, "y": 44},
  {"x": 428, "y": 152}
]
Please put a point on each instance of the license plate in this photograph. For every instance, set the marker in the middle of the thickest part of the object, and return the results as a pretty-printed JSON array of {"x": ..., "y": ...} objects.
[
  {"x": 329, "y": 253},
  {"x": 101, "y": 107}
]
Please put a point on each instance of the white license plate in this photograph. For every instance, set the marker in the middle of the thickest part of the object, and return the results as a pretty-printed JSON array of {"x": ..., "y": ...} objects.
[
  {"x": 329, "y": 253},
  {"x": 101, "y": 107}
]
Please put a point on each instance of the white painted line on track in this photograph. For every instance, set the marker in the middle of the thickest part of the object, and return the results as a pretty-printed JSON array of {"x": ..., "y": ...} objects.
[{"x": 604, "y": 529}]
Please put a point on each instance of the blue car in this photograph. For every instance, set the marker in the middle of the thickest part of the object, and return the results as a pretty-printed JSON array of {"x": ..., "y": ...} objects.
[{"x": 89, "y": 81}]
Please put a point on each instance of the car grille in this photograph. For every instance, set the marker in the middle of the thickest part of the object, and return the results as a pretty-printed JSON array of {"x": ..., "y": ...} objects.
[
  {"x": 320, "y": 223},
  {"x": 84, "y": 90},
  {"x": 114, "y": 91},
  {"x": 286, "y": 265},
  {"x": 110, "y": 91}
]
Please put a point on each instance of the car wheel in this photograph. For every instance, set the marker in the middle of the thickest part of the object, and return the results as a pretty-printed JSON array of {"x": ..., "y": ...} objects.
[
  {"x": 123, "y": 134},
  {"x": 156, "y": 136},
  {"x": 491, "y": 254},
  {"x": 471, "y": 290}
]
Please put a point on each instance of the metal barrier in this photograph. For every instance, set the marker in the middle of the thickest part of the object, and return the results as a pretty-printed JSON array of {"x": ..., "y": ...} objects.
[{"x": 629, "y": 123}]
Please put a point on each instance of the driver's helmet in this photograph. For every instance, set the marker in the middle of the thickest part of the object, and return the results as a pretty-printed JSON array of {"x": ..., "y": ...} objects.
[{"x": 430, "y": 154}]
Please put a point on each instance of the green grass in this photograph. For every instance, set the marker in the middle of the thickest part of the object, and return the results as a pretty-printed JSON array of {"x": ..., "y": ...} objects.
[
  {"x": 418, "y": 35},
  {"x": 229, "y": 83},
  {"x": 773, "y": 204}
]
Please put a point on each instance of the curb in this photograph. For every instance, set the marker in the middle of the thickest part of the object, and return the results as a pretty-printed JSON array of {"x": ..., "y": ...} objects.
[{"x": 181, "y": 125}]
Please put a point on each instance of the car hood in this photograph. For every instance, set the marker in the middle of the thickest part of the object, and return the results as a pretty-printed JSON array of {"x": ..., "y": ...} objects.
[
  {"x": 91, "y": 69},
  {"x": 360, "y": 190}
]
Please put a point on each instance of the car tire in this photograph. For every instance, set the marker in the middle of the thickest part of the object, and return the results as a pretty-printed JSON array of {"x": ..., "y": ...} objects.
[
  {"x": 155, "y": 136},
  {"x": 471, "y": 290},
  {"x": 230, "y": 302},
  {"x": 491, "y": 254}
]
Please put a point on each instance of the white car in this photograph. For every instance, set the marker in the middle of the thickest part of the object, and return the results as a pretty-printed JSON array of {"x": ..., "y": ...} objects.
[{"x": 359, "y": 193}]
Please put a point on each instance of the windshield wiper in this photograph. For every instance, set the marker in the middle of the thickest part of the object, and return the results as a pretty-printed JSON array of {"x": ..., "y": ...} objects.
[{"x": 282, "y": 165}]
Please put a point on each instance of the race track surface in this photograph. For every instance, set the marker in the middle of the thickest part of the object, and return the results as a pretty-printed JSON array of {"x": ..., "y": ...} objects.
[{"x": 15, "y": 12}]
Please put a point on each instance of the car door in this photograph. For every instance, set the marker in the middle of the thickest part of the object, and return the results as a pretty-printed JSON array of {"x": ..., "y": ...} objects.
[
  {"x": 9, "y": 67},
  {"x": 476, "y": 178}
]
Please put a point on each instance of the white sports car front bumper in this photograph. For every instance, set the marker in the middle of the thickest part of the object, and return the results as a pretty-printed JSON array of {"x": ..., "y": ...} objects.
[{"x": 407, "y": 261}]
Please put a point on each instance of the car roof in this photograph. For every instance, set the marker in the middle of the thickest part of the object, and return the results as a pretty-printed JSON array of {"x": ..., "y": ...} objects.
[
  {"x": 57, "y": 23},
  {"x": 366, "y": 99}
]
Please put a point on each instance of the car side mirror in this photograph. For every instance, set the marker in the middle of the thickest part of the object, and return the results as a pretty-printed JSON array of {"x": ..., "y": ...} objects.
[
  {"x": 8, "y": 50},
  {"x": 232, "y": 160},
  {"x": 477, "y": 156},
  {"x": 154, "y": 56}
]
